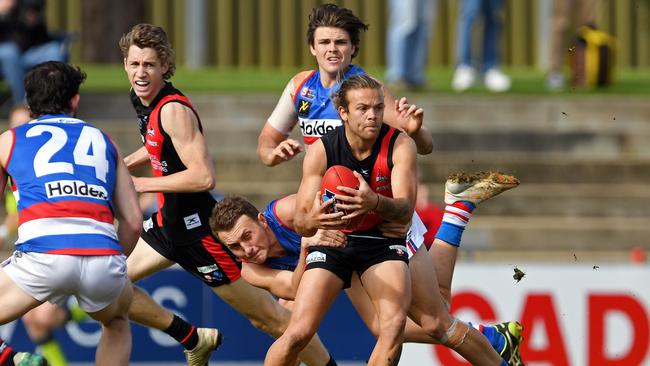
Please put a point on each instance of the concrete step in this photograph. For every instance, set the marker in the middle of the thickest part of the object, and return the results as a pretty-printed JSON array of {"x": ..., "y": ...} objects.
[
  {"x": 530, "y": 168},
  {"x": 542, "y": 233},
  {"x": 241, "y": 139}
]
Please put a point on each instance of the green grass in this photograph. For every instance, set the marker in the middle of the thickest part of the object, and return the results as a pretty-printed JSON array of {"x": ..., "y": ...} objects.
[{"x": 111, "y": 78}]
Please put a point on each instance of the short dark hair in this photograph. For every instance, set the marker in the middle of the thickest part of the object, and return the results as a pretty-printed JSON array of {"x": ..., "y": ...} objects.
[
  {"x": 226, "y": 212},
  {"x": 358, "y": 81},
  {"x": 50, "y": 86},
  {"x": 150, "y": 36},
  {"x": 331, "y": 15}
]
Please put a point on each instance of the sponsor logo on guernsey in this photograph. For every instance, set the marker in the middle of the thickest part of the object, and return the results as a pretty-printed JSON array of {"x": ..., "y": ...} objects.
[
  {"x": 304, "y": 108},
  {"x": 192, "y": 221},
  {"x": 314, "y": 257},
  {"x": 307, "y": 93},
  {"x": 381, "y": 178},
  {"x": 318, "y": 128},
  {"x": 152, "y": 143},
  {"x": 400, "y": 249},
  {"x": 151, "y": 132},
  {"x": 208, "y": 269},
  {"x": 157, "y": 164},
  {"x": 76, "y": 188}
]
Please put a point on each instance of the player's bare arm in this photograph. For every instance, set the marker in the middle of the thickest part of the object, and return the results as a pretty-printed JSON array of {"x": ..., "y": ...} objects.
[
  {"x": 127, "y": 209},
  {"x": 137, "y": 159},
  {"x": 182, "y": 126},
  {"x": 276, "y": 281},
  {"x": 309, "y": 217},
  {"x": 6, "y": 141},
  {"x": 410, "y": 124},
  {"x": 274, "y": 145}
]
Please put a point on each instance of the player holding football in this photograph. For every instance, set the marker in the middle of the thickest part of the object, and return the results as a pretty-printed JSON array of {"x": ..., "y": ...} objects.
[
  {"x": 333, "y": 36},
  {"x": 273, "y": 254},
  {"x": 386, "y": 159}
]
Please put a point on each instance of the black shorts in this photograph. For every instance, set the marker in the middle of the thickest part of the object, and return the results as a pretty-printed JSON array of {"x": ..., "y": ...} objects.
[
  {"x": 205, "y": 258},
  {"x": 359, "y": 255}
]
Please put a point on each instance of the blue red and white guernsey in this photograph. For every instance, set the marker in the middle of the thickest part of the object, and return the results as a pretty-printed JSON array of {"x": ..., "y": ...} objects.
[
  {"x": 288, "y": 238},
  {"x": 316, "y": 112},
  {"x": 63, "y": 173}
]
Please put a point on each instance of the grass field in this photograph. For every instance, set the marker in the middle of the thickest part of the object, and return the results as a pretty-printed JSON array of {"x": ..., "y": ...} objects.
[{"x": 111, "y": 78}]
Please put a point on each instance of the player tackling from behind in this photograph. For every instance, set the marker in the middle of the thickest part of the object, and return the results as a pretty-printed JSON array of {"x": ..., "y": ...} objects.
[
  {"x": 70, "y": 184},
  {"x": 178, "y": 232}
]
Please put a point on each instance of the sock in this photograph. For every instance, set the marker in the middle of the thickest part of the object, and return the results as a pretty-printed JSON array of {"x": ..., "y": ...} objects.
[
  {"x": 454, "y": 221},
  {"x": 52, "y": 352},
  {"x": 183, "y": 332},
  {"x": 6, "y": 354},
  {"x": 76, "y": 313},
  {"x": 331, "y": 362},
  {"x": 496, "y": 339}
]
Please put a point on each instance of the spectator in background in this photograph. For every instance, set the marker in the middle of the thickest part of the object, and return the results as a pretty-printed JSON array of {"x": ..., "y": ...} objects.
[
  {"x": 465, "y": 76},
  {"x": 409, "y": 31},
  {"x": 430, "y": 213},
  {"x": 563, "y": 11},
  {"x": 24, "y": 42}
]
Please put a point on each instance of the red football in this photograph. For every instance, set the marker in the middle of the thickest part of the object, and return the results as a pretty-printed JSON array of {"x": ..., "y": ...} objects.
[{"x": 339, "y": 175}]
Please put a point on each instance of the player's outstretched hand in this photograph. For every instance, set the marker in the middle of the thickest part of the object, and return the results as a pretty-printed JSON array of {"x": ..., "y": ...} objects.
[
  {"x": 409, "y": 116},
  {"x": 356, "y": 202},
  {"x": 286, "y": 150}
]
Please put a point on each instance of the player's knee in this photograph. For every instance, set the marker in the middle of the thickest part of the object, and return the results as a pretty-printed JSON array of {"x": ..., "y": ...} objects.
[
  {"x": 271, "y": 321},
  {"x": 297, "y": 338},
  {"x": 455, "y": 334},
  {"x": 117, "y": 323},
  {"x": 392, "y": 328}
]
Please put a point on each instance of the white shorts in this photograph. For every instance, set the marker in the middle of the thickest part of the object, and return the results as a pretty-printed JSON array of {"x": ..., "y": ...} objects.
[
  {"x": 96, "y": 281},
  {"x": 415, "y": 235}
]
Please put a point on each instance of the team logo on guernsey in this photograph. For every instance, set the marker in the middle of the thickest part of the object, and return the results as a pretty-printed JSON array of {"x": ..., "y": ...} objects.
[
  {"x": 151, "y": 132},
  {"x": 329, "y": 195},
  {"x": 304, "y": 108},
  {"x": 192, "y": 221},
  {"x": 307, "y": 93},
  {"x": 314, "y": 257},
  {"x": 77, "y": 188}
]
